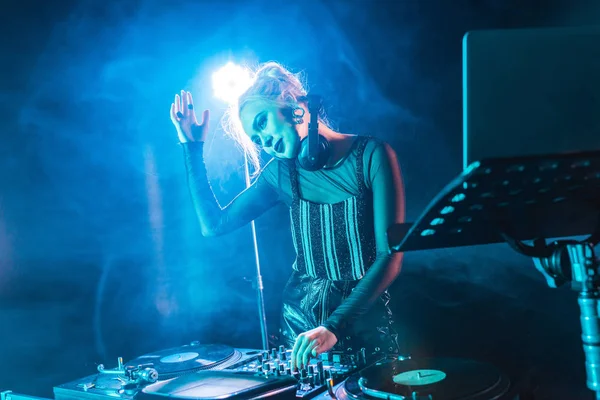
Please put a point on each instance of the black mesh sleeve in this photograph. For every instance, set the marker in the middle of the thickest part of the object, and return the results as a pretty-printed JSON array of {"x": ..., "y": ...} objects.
[
  {"x": 214, "y": 219},
  {"x": 385, "y": 180}
]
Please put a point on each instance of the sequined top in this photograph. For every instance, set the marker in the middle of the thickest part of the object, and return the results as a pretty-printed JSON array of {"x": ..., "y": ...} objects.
[{"x": 334, "y": 241}]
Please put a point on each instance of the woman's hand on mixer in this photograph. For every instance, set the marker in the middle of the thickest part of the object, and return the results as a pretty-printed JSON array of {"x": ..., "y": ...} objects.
[
  {"x": 311, "y": 343},
  {"x": 184, "y": 119}
]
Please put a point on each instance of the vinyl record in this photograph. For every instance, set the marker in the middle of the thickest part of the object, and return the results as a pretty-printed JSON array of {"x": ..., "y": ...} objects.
[
  {"x": 442, "y": 378},
  {"x": 177, "y": 361}
]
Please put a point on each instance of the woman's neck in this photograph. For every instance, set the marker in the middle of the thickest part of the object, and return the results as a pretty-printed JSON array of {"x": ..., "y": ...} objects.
[
  {"x": 331, "y": 135},
  {"x": 340, "y": 144}
]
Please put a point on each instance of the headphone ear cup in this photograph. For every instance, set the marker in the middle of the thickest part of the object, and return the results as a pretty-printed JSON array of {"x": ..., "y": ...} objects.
[{"x": 323, "y": 153}]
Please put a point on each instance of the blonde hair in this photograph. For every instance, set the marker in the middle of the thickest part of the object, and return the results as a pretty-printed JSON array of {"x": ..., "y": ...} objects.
[{"x": 274, "y": 83}]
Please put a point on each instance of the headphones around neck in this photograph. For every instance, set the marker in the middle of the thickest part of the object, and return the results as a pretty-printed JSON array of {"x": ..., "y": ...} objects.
[{"x": 315, "y": 149}]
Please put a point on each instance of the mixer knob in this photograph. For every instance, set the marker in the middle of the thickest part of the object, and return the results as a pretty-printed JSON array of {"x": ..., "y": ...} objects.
[
  {"x": 259, "y": 358},
  {"x": 283, "y": 356},
  {"x": 311, "y": 370},
  {"x": 265, "y": 355},
  {"x": 273, "y": 353},
  {"x": 288, "y": 371},
  {"x": 282, "y": 349},
  {"x": 259, "y": 368},
  {"x": 316, "y": 380},
  {"x": 303, "y": 373},
  {"x": 282, "y": 367}
]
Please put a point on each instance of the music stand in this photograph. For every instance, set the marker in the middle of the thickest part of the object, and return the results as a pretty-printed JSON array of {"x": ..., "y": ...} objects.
[{"x": 520, "y": 199}]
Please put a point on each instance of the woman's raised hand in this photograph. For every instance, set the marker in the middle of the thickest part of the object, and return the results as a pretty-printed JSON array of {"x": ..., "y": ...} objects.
[{"x": 184, "y": 119}]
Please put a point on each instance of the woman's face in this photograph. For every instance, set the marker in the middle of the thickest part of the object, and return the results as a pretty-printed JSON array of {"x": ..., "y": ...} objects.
[{"x": 272, "y": 130}]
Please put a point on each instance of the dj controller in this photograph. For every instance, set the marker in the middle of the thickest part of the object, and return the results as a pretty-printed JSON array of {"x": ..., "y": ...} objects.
[{"x": 214, "y": 371}]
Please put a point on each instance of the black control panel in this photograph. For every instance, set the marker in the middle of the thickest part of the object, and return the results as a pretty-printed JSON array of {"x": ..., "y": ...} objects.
[{"x": 320, "y": 374}]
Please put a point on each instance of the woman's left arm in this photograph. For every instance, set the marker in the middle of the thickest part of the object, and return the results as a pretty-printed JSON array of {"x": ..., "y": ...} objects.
[{"x": 388, "y": 209}]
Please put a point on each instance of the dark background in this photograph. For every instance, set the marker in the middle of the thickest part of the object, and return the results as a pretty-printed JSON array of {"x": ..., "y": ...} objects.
[{"x": 100, "y": 254}]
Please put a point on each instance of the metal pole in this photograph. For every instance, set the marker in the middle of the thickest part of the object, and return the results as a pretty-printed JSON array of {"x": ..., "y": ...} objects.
[{"x": 259, "y": 283}]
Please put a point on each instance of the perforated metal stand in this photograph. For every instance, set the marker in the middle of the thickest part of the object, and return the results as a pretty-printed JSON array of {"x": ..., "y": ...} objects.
[{"x": 523, "y": 199}]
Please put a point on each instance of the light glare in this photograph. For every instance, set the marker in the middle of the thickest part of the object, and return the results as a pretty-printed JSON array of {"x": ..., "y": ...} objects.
[{"x": 230, "y": 81}]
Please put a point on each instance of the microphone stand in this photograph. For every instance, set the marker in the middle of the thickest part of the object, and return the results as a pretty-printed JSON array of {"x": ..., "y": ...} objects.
[{"x": 258, "y": 283}]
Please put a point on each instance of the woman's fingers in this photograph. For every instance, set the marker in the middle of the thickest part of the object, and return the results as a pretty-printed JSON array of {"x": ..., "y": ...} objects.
[
  {"x": 301, "y": 355},
  {"x": 184, "y": 102},
  {"x": 205, "y": 117},
  {"x": 173, "y": 114},
  {"x": 311, "y": 350},
  {"x": 190, "y": 108},
  {"x": 315, "y": 351}
]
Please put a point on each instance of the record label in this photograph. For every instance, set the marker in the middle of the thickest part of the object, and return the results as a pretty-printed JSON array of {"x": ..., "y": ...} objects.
[
  {"x": 179, "y": 357},
  {"x": 419, "y": 377}
]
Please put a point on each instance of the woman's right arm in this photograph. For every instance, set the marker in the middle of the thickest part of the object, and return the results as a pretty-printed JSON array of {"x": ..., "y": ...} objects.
[{"x": 214, "y": 219}]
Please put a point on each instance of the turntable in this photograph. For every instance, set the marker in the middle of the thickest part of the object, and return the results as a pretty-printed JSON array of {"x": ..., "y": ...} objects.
[
  {"x": 425, "y": 379},
  {"x": 126, "y": 380}
]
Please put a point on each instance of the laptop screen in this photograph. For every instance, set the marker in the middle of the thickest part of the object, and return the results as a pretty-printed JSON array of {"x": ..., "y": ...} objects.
[{"x": 530, "y": 92}]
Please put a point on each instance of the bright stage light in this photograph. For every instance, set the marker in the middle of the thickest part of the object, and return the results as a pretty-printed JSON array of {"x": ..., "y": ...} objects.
[{"x": 230, "y": 81}]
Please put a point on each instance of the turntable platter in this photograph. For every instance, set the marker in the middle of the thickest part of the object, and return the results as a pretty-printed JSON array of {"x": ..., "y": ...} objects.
[
  {"x": 442, "y": 378},
  {"x": 177, "y": 361}
]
